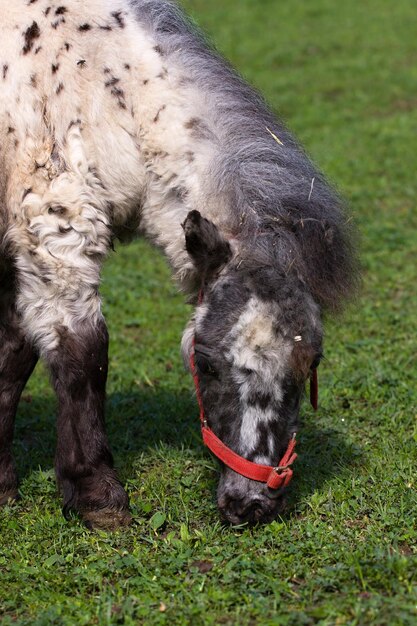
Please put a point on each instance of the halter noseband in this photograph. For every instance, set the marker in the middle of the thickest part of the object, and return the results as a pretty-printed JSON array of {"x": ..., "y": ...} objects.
[{"x": 274, "y": 476}]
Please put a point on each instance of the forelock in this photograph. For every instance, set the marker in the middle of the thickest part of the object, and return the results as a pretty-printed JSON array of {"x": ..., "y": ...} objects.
[{"x": 255, "y": 342}]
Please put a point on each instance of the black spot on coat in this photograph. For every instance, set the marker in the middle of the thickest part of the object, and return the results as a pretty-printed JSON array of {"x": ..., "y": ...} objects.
[
  {"x": 58, "y": 22},
  {"x": 30, "y": 35},
  {"x": 119, "y": 19},
  {"x": 112, "y": 81},
  {"x": 156, "y": 118}
]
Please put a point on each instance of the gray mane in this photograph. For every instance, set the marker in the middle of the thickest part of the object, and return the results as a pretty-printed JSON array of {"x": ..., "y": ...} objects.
[{"x": 281, "y": 207}]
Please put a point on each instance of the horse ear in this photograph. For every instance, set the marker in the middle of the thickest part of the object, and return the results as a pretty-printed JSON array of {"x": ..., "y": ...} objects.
[{"x": 205, "y": 245}]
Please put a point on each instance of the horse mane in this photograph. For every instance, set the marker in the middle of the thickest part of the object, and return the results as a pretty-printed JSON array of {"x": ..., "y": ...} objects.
[{"x": 271, "y": 186}]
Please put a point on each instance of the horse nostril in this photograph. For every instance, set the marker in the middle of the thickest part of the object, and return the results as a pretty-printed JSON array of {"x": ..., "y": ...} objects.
[
  {"x": 254, "y": 512},
  {"x": 241, "y": 500},
  {"x": 240, "y": 511}
]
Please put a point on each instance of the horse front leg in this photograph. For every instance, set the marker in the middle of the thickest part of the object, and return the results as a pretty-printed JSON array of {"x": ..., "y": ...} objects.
[
  {"x": 83, "y": 461},
  {"x": 72, "y": 338},
  {"x": 17, "y": 360},
  {"x": 60, "y": 252}
]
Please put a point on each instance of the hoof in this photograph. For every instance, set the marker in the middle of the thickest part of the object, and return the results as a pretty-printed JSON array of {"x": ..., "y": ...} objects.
[
  {"x": 106, "y": 519},
  {"x": 6, "y": 497}
]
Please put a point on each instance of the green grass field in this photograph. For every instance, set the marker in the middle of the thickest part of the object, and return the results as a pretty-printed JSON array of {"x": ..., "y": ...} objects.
[{"x": 344, "y": 77}]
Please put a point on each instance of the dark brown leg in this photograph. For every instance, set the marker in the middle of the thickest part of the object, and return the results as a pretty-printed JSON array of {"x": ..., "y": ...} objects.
[
  {"x": 17, "y": 360},
  {"x": 84, "y": 463}
]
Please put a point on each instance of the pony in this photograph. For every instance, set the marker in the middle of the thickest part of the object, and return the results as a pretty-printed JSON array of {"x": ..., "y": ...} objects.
[{"x": 118, "y": 119}]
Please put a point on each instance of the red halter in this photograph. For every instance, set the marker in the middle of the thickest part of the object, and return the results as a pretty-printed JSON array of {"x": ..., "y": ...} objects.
[{"x": 274, "y": 477}]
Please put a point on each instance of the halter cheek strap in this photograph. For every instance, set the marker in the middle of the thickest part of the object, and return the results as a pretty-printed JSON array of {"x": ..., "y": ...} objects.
[
  {"x": 314, "y": 389},
  {"x": 275, "y": 477}
]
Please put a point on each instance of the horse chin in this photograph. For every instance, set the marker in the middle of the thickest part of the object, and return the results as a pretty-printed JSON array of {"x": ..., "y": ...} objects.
[{"x": 244, "y": 501}]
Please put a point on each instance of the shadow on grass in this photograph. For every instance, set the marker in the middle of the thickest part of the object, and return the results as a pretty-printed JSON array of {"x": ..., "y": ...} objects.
[{"x": 138, "y": 422}]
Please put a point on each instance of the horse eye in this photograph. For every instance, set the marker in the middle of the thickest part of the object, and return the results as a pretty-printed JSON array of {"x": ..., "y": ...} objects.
[{"x": 204, "y": 366}]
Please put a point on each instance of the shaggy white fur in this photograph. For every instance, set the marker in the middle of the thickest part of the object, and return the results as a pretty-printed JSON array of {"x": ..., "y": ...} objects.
[{"x": 96, "y": 133}]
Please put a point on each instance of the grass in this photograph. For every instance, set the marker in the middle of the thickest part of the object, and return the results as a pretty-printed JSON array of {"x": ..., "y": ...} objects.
[{"x": 343, "y": 75}]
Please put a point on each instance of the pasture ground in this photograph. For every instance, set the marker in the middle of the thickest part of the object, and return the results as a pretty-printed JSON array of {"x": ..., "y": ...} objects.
[{"x": 343, "y": 75}]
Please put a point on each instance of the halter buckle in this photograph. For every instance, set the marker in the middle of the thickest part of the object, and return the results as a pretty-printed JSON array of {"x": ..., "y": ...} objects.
[
  {"x": 280, "y": 469},
  {"x": 279, "y": 477}
]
